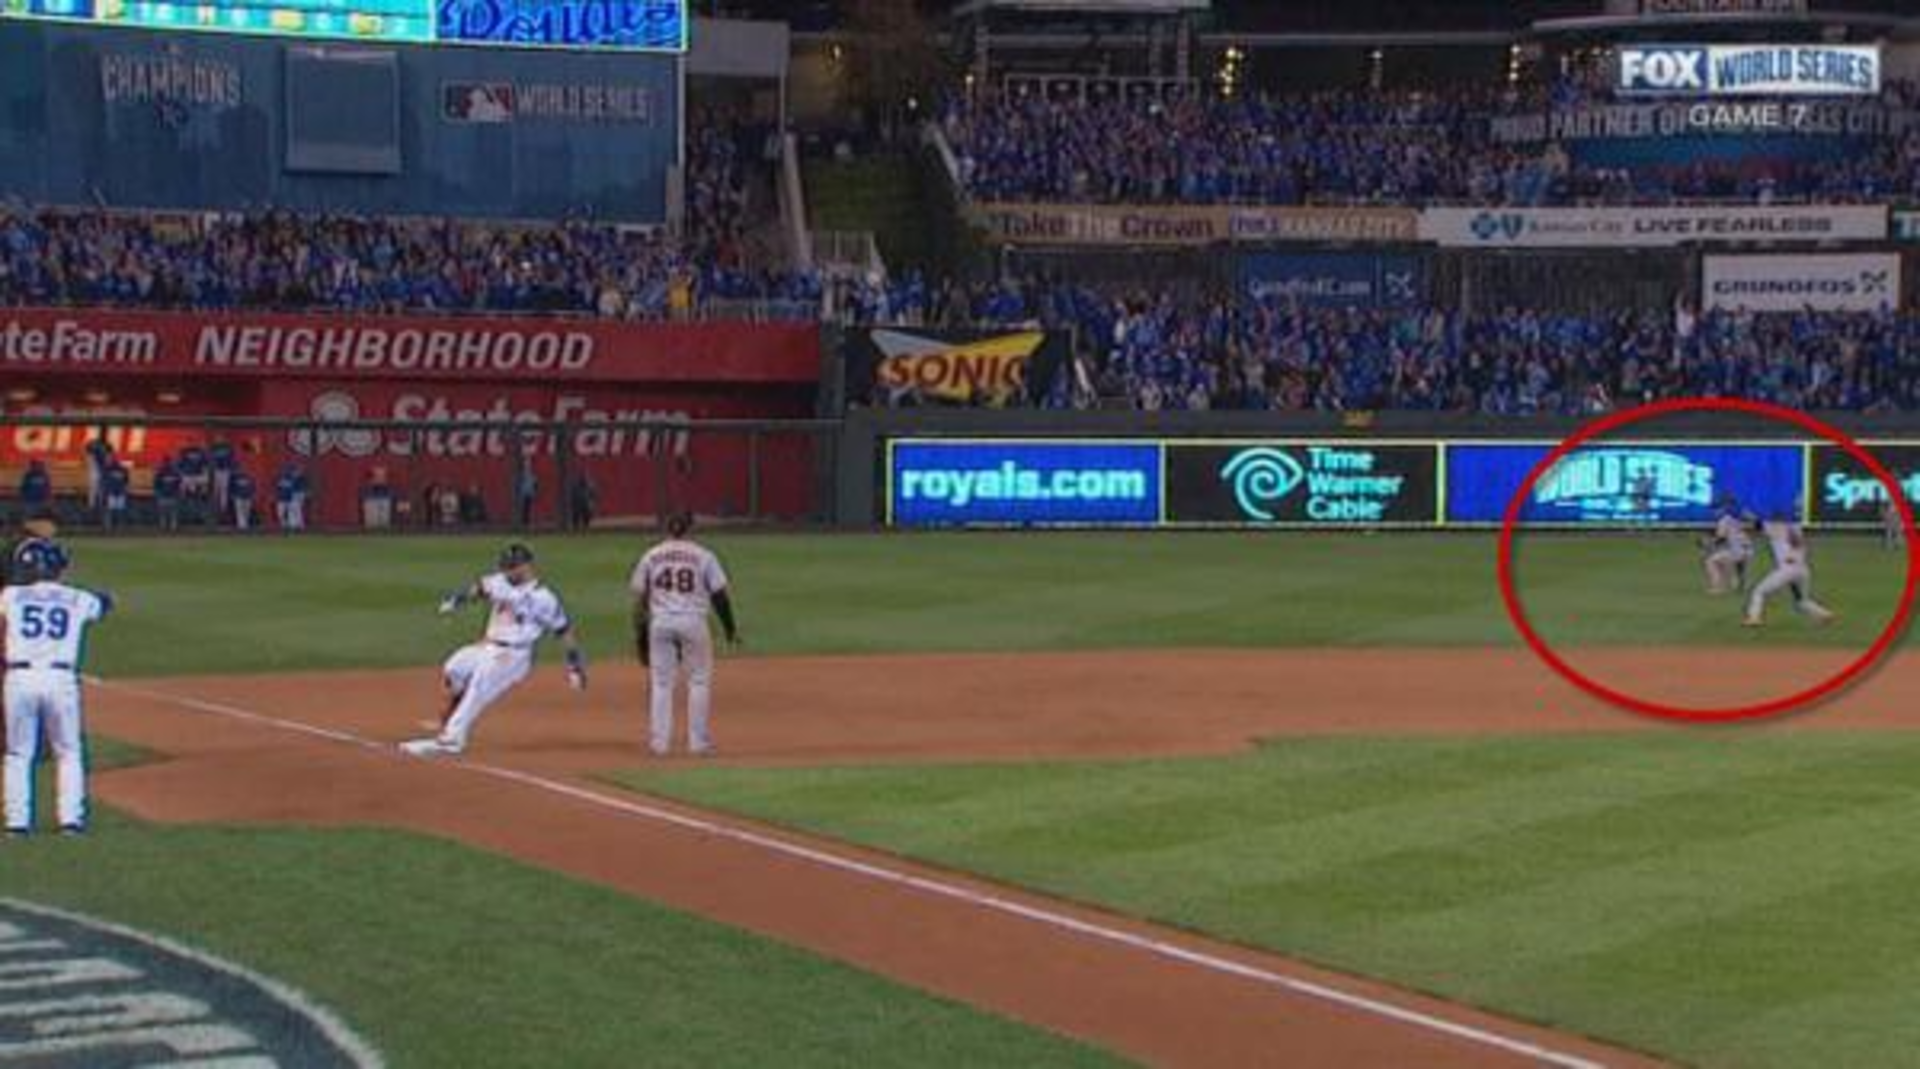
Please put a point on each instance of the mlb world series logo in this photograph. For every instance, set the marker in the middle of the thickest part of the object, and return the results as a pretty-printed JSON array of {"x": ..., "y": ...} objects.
[
  {"x": 1748, "y": 70},
  {"x": 1626, "y": 484}
]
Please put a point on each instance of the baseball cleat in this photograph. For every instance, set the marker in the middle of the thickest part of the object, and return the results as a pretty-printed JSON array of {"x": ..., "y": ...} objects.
[
  {"x": 18, "y": 833},
  {"x": 73, "y": 829},
  {"x": 1753, "y": 621},
  {"x": 429, "y": 748}
]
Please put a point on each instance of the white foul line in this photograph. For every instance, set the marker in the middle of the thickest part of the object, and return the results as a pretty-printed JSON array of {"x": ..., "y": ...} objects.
[{"x": 922, "y": 884}]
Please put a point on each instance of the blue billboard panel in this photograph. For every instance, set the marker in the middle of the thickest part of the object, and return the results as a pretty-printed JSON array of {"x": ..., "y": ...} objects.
[
  {"x": 600, "y": 25},
  {"x": 652, "y": 25},
  {"x": 1623, "y": 483},
  {"x": 933, "y": 483}
]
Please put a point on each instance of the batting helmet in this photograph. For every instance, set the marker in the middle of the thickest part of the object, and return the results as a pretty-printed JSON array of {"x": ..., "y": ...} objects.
[
  {"x": 515, "y": 555},
  {"x": 37, "y": 559}
]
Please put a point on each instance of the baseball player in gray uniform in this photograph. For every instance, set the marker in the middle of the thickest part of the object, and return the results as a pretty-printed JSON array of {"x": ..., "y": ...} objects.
[
  {"x": 1792, "y": 570},
  {"x": 674, "y": 586}
]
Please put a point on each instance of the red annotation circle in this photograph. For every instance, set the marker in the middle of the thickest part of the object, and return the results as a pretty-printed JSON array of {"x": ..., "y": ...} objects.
[{"x": 1826, "y": 688}]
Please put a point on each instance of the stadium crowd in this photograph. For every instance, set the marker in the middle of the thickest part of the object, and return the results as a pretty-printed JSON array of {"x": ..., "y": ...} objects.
[
  {"x": 1156, "y": 350},
  {"x": 1352, "y": 146},
  {"x": 283, "y": 260}
]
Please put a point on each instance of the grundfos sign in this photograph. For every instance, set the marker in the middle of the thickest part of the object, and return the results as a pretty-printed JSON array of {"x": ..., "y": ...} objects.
[{"x": 406, "y": 347}]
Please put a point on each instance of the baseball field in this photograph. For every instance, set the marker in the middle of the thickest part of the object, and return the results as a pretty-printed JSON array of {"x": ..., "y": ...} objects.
[{"x": 1024, "y": 799}]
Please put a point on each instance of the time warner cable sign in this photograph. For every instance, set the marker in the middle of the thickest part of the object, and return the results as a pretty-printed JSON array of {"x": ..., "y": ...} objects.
[
  {"x": 1301, "y": 483},
  {"x": 1748, "y": 70}
]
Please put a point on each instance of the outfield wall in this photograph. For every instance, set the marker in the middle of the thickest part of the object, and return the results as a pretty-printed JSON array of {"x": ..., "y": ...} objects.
[
  {"x": 637, "y": 409},
  {"x": 1141, "y": 471}
]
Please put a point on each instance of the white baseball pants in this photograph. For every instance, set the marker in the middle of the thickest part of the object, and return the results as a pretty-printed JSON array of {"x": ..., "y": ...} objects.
[
  {"x": 479, "y": 675},
  {"x": 40, "y": 699},
  {"x": 676, "y": 643},
  {"x": 1779, "y": 579},
  {"x": 1723, "y": 569}
]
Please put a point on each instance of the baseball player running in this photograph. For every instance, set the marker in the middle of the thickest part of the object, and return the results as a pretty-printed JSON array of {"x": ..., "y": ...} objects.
[
  {"x": 674, "y": 586},
  {"x": 1729, "y": 549},
  {"x": 1791, "y": 570},
  {"x": 522, "y": 611},
  {"x": 45, "y": 622}
]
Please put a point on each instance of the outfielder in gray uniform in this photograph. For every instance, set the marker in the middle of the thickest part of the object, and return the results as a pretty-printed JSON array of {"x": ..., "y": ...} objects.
[{"x": 674, "y": 588}]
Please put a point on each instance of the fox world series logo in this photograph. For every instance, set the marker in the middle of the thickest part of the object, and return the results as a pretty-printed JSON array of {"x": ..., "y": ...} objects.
[{"x": 1748, "y": 70}]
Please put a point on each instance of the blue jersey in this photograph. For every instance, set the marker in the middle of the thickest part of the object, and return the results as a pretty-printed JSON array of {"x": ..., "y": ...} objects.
[
  {"x": 221, "y": 454},
  {"x": 193, "y": 460},
  {"x": 241, "y": 487},
  {"x": 47, "y": 623},
  {"x": 36, "y": 486}
]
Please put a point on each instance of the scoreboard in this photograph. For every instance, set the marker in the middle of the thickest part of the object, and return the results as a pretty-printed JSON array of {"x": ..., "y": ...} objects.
[{"x": 597, "y": 25}]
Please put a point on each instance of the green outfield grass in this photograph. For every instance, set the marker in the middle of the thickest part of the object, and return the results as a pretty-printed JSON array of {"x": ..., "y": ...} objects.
[
  {"x": 1738, "y": 897},
  {"x": 268, "y": 604},
  {"x": 1727, "y": 898},
  {"x": 444, "y": 956}
]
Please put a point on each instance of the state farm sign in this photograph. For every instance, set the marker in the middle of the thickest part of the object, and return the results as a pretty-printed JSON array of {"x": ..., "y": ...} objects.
[
  {"x": 101, "y": 341},
  {"x": 73, "y": 342},
  {"x": 600, "y": 429}
]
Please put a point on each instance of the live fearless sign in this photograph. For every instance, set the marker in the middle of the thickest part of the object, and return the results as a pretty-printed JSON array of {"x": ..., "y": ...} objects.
[{"x": 1492, "y": 228}]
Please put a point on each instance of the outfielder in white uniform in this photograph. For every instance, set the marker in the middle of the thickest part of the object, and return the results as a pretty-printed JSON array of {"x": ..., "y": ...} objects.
[
  {"x": 45, "y": 622},
  {"x": 521, "y": 612},
  {"x": 1729, "y": 550},
  {"x": 1791, "y": 571},
  {"x": 674, "y": 587}
]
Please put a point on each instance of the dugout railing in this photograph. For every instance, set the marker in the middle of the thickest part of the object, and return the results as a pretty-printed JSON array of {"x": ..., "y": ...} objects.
[{"x": 347, "y": 474}]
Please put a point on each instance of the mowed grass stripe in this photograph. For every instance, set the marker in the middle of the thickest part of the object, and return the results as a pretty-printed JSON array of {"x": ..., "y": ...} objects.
[
  {"x": 446, "y": 957},
  {"x": 1657, "y": 888},
  {"x": 279, "y": 604}
]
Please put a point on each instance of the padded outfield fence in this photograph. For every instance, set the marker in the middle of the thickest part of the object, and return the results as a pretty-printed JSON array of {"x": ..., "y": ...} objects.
[{"x": 349, "y": 474}]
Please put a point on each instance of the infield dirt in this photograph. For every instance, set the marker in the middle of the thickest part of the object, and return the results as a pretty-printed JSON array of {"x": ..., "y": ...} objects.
[{"x": 306, "y": 749}]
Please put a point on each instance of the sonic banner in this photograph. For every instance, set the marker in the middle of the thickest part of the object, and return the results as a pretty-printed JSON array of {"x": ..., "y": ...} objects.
[
  {"x": 1297, "y": 483},
  {"x": 1623, "y": 484},
  {"x": 919, "y": 366},
  {"x": 1493, "y": 228},
  {"x": 1838, "y": 282}
]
